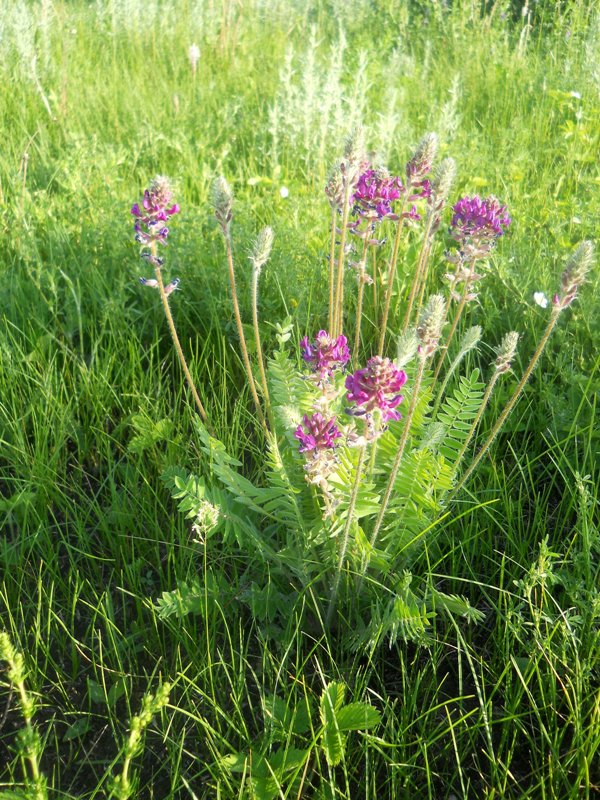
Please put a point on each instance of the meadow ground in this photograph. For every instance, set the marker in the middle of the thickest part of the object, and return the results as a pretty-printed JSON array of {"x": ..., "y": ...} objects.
[{"x": 95, "y": 100}]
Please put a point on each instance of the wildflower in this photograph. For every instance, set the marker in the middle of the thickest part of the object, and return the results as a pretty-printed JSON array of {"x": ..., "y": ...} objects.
[
  {"x": 479, "y": 221},
  {"x": 325, "y": 354},
  {"x": 374, "y": 193},
  {"x": 153, "y": 283},
  {"x": 155, "y": 210},
  {"x": 155, "y": 204},
  {"x": 377, "y": 386},
  {"x": 319, "y": 433},
  {"x": 284, "y": 192}
]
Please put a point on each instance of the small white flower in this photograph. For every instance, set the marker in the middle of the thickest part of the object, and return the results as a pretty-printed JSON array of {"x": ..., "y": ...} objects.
[
  {"x": 284, "y": 192},
  {"x": 541, "y": 299}
]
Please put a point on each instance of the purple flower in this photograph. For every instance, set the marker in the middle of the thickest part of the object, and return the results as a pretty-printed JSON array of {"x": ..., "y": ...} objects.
[
  {"x": 377, "y": 386},
  {"x": 479, "y": 221},
  {"x": 325, "y": 354},
  {"x": 374, "y": 194},
  {"x": 156, "y": 209},
  {"x": 318, "y": 433}
]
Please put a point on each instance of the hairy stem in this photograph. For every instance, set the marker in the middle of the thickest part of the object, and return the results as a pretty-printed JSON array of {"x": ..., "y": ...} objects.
[
  {"x": 332, "y": 270},
  {"x": 361, "y": 291},
  {"x": 240, "y": 327},
  {"x": 259, "y": 353},
  {"x": 421, "y": 269},
  {"x": 396, "y": 466},
  {"x": 456, "y": 320},
  {"x": 391, "y": 277},
  {"x": 512, "y": 402},
  {"x": 339, "y": 295},
  {"x": 175, "y": 338}
]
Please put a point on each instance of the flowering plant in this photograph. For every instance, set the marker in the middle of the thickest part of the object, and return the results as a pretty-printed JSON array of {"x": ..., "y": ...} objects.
[{"x": 364, "y": 451}]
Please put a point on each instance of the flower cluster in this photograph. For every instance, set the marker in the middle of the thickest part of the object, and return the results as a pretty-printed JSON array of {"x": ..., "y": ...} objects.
[
  {"x": 374, "y": 194},
  {"x": 318, "y": 433},
  {"x": 325, "y": 354},
  {"x": 377, "y": 387},
  {"x": 479, "y": 221},
  {"x": 155, "y": 210}
]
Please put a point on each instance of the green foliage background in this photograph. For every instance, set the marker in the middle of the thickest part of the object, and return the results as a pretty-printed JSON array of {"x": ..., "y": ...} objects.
[{"x": 95, "y": 99}]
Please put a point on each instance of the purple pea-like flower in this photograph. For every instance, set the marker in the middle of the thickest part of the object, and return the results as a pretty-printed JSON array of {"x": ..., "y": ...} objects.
[
  {"x": 156, "y": 208},
  {"x": 479, "y": 221},
  {"x": 375, "y": 191},
  {"x": 318, "y": 433},
  {"x": 325, "y": 354},
  {"x": 377, "y": 386}
]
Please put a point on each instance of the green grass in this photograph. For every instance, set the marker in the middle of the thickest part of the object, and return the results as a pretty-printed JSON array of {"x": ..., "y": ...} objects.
[{"x": 90, "y": 537}]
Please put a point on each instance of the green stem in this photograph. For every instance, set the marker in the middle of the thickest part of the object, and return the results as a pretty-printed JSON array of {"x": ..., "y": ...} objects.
[
  {"x": 391, "y": 276},
  {"x": 556, "y": 309},
  {"x": 346, "y": 534}
]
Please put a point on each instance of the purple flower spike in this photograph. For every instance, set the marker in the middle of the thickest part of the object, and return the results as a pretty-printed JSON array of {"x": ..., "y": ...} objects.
[
  {"x": 374, "y": 194},
  {"x": 156, "y": 208},
  {"x": 479, "y": 221},
  {"x": 377, "y": 386},
  {"x": 318, "y": 433},
  {"x": 325, "y": 354}
]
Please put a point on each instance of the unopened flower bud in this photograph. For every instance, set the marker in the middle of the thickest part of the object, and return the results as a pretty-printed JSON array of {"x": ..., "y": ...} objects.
[
  {"x": 354, "y": 147},
  {"x": 262, "y": 248},
  {"x": 505, "y": 352},
  {"x": 222, "y": 197},
  {"x": 420, "y": 164},
  {"x": 442, "y": 182},
  {"x": 575, "y": 273},
  {"x": 430, "y": 325}
]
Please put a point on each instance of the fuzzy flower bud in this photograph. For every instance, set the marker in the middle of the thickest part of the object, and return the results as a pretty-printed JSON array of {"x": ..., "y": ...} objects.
[
  {"x": 505, "y": 352},
  {"x": 335, "y": 188},
  {"x": 430, "y": 325},
  {"x": 354, "y": 146},
  {"x": 376, "y": 387},
  {"x": 575, "y": 273},
  {"x": 422, "y": 161},
  {"x": 442, "y": 183},
  {"x": 262, "y": 248},
  {"x": 222, "y": 198}
]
